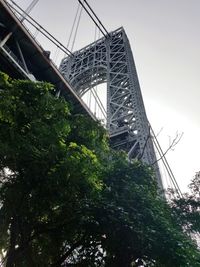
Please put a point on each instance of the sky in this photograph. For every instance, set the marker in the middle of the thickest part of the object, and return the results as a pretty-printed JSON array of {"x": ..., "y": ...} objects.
[{"x": 165, "y": 40}]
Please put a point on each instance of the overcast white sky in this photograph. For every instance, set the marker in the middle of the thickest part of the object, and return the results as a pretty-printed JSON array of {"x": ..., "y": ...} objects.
[{"x": 165, "y": 40}]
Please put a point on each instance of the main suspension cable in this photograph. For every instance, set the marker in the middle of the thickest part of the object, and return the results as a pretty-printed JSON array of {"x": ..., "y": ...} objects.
[
  {"x": 40, "y": 28},
  {"x": 100, "y": 23},
  {"x": 105, "y": 32}
]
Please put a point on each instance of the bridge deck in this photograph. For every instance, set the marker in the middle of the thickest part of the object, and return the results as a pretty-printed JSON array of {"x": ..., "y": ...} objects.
[{"x": 37, "y": 60}]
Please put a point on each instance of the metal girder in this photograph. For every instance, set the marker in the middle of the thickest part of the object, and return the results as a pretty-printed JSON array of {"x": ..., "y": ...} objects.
[{"x": 110, "y": 60}]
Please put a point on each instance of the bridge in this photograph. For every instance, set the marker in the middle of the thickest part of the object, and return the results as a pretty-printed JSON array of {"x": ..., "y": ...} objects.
[
  {"x": 107, "y": 60},
  {"x": 22, "y": 57}
]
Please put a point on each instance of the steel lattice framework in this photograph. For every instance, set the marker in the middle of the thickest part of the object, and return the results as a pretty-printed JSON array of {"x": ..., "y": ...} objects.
[{"x": 110, "y": 60}]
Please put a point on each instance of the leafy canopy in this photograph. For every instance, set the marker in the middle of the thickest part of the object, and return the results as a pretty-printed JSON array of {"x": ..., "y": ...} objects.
[{"x": 67, "y": 199}]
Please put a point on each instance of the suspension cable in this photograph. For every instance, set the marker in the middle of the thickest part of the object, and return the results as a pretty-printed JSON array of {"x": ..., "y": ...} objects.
[
  {"x": 100, "y": 23},
  {"x": 91, "y": 77},
  {"x": 77, "y": 26},
  {"x": 56, "y": 54},
  {"x": 40, "y": 28},
  {"x": 96, "y": 23},
  {"x": 101, "y": 107},
  {"x": 166, "y": 164},
  {"x": 73, "y": 25},
  {"x": 31, "y": 6},
  {"x": 95, "y": 88},
  {"x": 99, "y": 101}
]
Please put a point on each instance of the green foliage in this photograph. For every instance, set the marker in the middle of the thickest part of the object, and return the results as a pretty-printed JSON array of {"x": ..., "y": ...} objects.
[
  {"x": 44, "y": 176},
  {"x": 187, "y": 209},
  {"x": 133, "y": 222},
  {"x": 67, "y": 198}
]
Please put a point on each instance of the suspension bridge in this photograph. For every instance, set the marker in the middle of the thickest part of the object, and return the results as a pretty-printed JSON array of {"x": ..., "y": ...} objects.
[{"x": 108, "y": 60}]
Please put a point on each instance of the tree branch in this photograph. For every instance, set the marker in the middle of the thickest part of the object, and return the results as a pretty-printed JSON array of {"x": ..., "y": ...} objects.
[{"x": 174, "y": 142}]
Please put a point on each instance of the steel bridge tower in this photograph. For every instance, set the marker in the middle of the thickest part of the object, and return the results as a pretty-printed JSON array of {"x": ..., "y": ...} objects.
[{"x": 110, "y": 60}]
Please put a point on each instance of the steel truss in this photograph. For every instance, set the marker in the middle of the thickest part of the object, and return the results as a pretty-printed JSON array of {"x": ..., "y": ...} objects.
[{"x": 110, "y": 60}]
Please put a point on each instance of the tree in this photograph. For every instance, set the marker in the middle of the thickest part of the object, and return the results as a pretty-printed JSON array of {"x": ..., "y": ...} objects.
[
  {"x": 187, "y": 208},
  {"x": 44, "y": 176},
  {"x": 67, "y": 199},
  {"x": 132, "y": 223}
]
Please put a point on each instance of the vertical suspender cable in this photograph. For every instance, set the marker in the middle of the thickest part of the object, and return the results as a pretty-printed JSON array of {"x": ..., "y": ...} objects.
[
  {"x": 28, "y": 10},
  {"x": 73, "y": 25},
  {"x": 31, "y": 6},
  {"x": 76, "y": 30},
  {"x": 95, "y": 88}
]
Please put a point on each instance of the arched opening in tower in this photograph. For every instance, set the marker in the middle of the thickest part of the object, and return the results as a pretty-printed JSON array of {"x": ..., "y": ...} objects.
[{"x": 96, "y": 100}]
